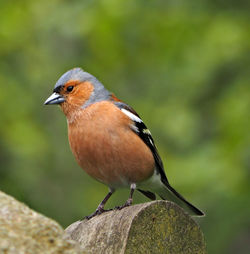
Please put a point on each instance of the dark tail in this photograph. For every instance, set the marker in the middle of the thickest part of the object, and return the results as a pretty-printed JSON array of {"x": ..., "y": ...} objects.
[{"x": 169, "y": 193}]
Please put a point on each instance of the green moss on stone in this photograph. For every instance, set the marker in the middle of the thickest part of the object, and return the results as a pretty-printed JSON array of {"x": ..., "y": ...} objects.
[{"x": 164, "y": 228}]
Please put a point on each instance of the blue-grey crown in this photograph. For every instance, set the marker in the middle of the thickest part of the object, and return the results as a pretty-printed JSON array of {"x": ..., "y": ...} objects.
[{"x": 99, "y": 93}]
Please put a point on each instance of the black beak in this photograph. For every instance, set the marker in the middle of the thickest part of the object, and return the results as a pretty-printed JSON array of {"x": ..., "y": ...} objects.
[{"x": 55, "y": 98}]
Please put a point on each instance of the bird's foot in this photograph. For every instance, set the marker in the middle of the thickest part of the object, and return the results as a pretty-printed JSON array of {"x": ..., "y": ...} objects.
[
  {"x": 98, "y": 211},
  {"x": 127, "y": 203}
]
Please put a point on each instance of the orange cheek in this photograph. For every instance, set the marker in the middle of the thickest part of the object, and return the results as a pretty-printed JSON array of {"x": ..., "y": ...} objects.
[
  {"x": 81, "y": 94},
  {"x": 77, "y": 97}
]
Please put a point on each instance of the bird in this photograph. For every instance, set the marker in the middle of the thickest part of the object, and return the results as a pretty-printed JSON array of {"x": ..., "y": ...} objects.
[{"x": 110, "y": 141}]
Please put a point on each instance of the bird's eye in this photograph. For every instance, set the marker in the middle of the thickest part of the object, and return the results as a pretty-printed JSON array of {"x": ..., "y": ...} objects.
[{"x": 69, "y": 88}]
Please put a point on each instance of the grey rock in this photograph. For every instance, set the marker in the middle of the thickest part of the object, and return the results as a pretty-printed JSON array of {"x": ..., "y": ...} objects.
[
  {"x": 24, "y": 231},
  {"x": 153, "y": 227}
]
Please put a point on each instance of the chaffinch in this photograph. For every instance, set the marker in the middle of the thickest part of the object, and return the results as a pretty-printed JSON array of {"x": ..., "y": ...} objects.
[{"x": 110, "y": 141}]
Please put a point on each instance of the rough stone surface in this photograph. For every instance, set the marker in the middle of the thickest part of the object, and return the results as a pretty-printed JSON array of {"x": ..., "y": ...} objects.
[
  {"x": 154, "y": 227},
  {"x": 23, "y": 231}
]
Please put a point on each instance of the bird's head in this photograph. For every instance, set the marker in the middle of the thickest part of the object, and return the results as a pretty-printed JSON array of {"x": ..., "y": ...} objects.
[{"x": 77, "y": 89}]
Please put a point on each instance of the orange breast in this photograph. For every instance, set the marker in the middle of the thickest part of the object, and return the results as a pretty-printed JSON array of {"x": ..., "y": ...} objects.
[{"x": 107, "y": 149}]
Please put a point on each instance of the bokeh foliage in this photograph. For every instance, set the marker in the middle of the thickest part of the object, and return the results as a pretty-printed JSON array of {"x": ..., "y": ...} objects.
[{"x": 183, "y": 65}]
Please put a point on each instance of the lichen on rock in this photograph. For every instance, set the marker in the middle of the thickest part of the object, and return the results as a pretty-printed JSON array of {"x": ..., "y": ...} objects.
[{"x": 154, "y": 227}]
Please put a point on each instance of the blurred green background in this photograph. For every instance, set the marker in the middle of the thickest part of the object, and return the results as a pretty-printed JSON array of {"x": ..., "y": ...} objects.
[{"x": 183, "y": 65}]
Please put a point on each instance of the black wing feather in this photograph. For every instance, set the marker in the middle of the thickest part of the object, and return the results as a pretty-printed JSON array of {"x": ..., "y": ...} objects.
[
  {"x": 142, "y": 131},
  {"x": 148, "y": 194}
]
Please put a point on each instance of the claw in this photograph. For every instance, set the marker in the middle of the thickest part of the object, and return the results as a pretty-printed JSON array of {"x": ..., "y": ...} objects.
[
  {"x": 98, "y": 211},
  {"x": 100, "y": 208},
  {"x": 127, "y": 203}
]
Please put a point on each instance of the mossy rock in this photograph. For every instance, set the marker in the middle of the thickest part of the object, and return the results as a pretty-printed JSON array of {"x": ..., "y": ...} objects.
[{"x": 153, "y": 227}]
